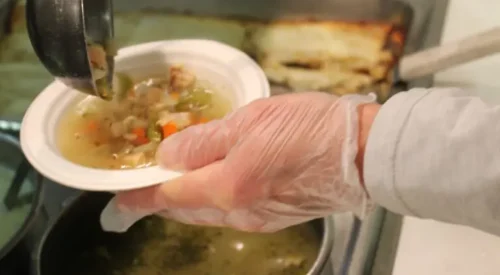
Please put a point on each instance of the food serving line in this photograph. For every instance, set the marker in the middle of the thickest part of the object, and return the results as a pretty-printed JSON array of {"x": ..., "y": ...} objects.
[{"x": 355, "y": 244}]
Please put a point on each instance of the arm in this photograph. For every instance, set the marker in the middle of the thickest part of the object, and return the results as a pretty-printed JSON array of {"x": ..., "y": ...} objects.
[{"x": 435, "y": 153}]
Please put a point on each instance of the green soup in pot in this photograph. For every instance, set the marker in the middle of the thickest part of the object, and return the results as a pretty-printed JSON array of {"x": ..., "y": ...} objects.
[{"x": 156, "y": 246}]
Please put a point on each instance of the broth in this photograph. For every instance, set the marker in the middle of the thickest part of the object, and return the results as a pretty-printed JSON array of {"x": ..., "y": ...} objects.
[
  {"x": 124, "y": 133},
  {"x": 156, "y": 246}
]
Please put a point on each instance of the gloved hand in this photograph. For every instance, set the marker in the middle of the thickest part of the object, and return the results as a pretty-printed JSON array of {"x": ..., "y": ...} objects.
[{"x": 274, "y": 163}]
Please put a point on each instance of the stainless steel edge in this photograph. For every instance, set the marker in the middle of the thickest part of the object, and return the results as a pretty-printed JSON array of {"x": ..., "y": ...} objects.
[
  {"x": 383, "y": 257},
  {"x": 374, "y": 249}
]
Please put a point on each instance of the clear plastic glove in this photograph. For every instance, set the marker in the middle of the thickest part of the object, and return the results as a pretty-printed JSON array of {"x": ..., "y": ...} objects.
[{"x": 275, "y": 163}]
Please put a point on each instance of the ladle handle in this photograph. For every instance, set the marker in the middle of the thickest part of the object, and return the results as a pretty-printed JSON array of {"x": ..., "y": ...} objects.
[{"x": 450, "y": 54}]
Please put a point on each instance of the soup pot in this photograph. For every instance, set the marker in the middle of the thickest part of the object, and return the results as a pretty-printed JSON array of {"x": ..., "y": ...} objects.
[
  {"x": 77, "y": 229},
  {"x": 22, "y": 216}
]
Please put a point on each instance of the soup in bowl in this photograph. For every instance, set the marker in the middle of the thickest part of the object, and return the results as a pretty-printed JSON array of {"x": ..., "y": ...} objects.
[
  {"x": 125, "y": 132},
  {"x": 162, "y": 87}
]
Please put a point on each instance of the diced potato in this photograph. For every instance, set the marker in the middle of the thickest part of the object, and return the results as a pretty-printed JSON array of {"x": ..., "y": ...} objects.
[
  {"x": 89, "y": 105},
  {"x": 181, "y": 120},
  {"x": 118, "y": 129},
  {"x": 130, "y": 137},
  {"x": 164, "y": 117},
  {"x": 133, "y": 160},
  {"x": 180, "y": 79}
]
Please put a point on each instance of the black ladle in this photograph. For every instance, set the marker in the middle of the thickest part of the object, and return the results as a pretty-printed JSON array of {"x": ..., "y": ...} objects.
[{"x": 63, "y": 33}]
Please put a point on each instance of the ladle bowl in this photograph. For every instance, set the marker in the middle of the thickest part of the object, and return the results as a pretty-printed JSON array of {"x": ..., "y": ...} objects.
[{"x": 62, "y": 32}]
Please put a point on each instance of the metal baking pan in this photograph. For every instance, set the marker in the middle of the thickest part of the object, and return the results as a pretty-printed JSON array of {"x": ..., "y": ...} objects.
[{"x": 230, "y": 13}]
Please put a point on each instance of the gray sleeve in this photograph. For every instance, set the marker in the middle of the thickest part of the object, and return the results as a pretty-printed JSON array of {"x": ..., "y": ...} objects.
[{"x": 435, "y": 153}]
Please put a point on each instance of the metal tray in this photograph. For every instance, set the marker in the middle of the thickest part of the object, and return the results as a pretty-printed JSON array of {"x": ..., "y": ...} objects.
[{"x": 239, "y": 12}]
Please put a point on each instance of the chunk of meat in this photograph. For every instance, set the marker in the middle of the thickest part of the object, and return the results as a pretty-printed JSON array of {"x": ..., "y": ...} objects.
[
  {"x": 154, "y": 95},
  {"x": 118, "y": 129},
  {"x": 180, "y": 79},
  {"x": 97, "y": 56}
]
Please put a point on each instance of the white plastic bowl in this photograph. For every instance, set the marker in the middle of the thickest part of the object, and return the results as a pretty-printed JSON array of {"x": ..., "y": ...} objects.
[{"x": 237, "y": 76}]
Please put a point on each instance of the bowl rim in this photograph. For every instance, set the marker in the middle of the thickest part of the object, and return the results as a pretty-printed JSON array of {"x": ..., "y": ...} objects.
[{"x": 56, "y": 168}]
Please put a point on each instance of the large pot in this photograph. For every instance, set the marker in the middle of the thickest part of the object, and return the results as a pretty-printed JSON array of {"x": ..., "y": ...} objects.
[
  {"x": 22, "y": 217},
  {"x": 77, "y": 229}
]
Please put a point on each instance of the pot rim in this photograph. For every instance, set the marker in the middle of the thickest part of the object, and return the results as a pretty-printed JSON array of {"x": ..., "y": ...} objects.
[
  {"x": 326, "y": 246},
  {"x": 322, "y": 258},
  {"x": 36, "y": 206}
]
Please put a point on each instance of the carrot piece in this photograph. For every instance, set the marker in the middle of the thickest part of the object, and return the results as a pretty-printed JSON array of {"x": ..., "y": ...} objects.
[
  {"x": 197, "y": 119},
  {"x": 202, "y": 120},
  {"x": 141, "y": 136},
  {"x": 92, "y": 126},
  {"x": 169, "y": 129},
  {"x": 175, "y": 95},
  {"x": 193, "y": 118}
]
